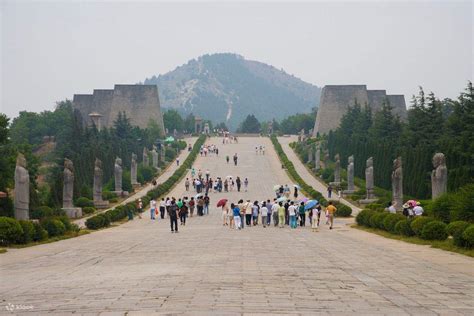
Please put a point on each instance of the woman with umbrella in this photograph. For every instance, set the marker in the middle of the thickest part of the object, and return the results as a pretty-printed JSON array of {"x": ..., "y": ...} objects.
[{"x": 225, "y": 210}]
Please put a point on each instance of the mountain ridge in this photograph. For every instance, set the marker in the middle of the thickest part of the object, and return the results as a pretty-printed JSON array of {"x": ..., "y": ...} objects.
[{"x": 226, "y": 87}]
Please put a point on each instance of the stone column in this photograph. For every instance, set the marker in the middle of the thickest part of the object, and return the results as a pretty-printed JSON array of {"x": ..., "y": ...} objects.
[
  {"x": 317, "y": 163},
  {"x": 22, "y": 189},
  {"x": 98, "y": 177},
  {"x": 162, "y": 156},
  {"x": 369, "y": 182},
  {"x": 350, "y": 175},
  {"x": 146, "y": 161},
  {"x": 397, "y": 183},
  {"x": 337, "y": 169},
  {"x": 133, "y": 170},
  {"x": 154, "y": 156},
  {"x": 68, "y": 191},
  {"x": 310, "y": 154},
  {"x": 439, "y": 176},
  {"x": 118, "y": 171}
]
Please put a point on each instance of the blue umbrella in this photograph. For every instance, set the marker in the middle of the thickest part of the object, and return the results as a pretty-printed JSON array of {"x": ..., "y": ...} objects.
[
  {"x": 310, "y": 204},
  {"x": 281, "y": 199}
]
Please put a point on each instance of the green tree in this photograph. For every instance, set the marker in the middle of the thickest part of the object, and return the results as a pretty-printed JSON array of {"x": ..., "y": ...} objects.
[
  {"x": 173, "y": 120},
  {"x": 250, "y": 125}
]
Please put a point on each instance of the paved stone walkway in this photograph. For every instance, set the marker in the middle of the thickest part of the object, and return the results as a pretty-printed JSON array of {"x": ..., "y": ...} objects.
[
  {"x": 168, "y": 172},
  {"x": 207, "y": 269}
]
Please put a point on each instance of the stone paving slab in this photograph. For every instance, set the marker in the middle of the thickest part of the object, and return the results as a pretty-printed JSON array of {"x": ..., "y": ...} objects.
[{"x": 208, "y": 269}]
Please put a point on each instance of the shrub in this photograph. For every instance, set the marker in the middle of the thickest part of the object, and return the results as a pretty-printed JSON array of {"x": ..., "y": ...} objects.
[
  {"x": 107, "y": 195},
  {"x": 98, "y": 221},
  {"x": 363, "y": 217},
  {"x": 10, "y": 231},
  {"x": 113, "y": 200},
  {"x": 468, "y": 236},
  {"x": 374, "y": 206},
  {"x": 391, "y": 220},
  {"x": 441, "y": 206},
  {"x": 434, "y": 230},
  {"x": 40, "y": 232},
  {"x": 403, "y": 227},
  {"x": 83, "y": 202},
  {"x": 88, "y": 210},
  {"x": 454, "y": 227},
  {"x": 376, "y": 220},
  {"x": 53, "y": 226},
  {"x": 66, "y": 222},
  {"x": 418, "y": 223},
  {"x": 117, "y": 213},
  {"x": 28, "y": 231},
  {"x": 41, "y": 212},
  {"x": 343, "y": 211},
  {"x": 463, "y": 207}
]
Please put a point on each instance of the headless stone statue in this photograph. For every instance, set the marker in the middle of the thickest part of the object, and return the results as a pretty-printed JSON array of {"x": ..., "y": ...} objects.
[
  {"x": 326, "y": 158},
  {"x": 162, "y": 156},
  {"x": 145, "y": 157},
  {"x": 369, "y": 178},
  {"x": 310, "y": 154},
  {"x": 133, "y": 170},
  {"x": 68, "y": 184},
  {"x": 439, "y": 176},
  {"x": 350, "y": 174},
  {"x": 98, "y": 177},
  {"x": 118, "y": 171},
  {"x": 68, "y": 191},
  {"x": 22, "y": 189},
  {"x": 397, "y": 183},
  {"x": 317, "y": 163},
  {"x": 337, "y": 169},
  {"x": 154, "y": 156}
]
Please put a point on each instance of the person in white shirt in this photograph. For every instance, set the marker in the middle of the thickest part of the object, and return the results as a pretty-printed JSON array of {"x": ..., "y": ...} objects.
[
  {"x": 390, "y": 208},
  {"x": 292, "y": 213},
  {"x": 162, "y": 208},
  {"x": 418, "y": 210},
  {"x": 275, "y": 212},
  {"x": 152, "y": 209},
  {"x": 264, "y": 212}
]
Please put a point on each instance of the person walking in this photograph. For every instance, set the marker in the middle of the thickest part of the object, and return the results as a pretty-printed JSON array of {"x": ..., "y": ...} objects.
[
  {"x": 287, "y": 191},
  {"x": 255, "y": 212},
  {"x": 226, "y": 186},
  {"x": 242, "y": 213},
  {"x": 315, "y": 221},
  {"x": 152, "y": 209},
  {"x": 183, "y": 214},
  {"x": 236, "y": 212},
  {"x": 227, "y": 158},
  {"x": 281, "y": 214},
  {"x": 140, "y": 208},
  {"x": 177, "y": 161},
  {"x": 331, "y": 209},
  {"x": 264, "y": 211},
  {"x": 186, "y": 184},
  {"x": 173, "y": 215},
  {"x": 235, "y": 159},
  {"x": 329, "y": 191},
  {"x": 302, "y": 214},
  {"x": 275, "y": 207},
  {"x": 269, "y": 206},
  {"x": 287, "y": 213},
  {"x": 225, "y": 214},
  {"x": 207, "y": 200},
  {"x": 246, "y": 184},
  {"x": 248, "y": 213},
  {"x": 193, "y": 172},
  {"x": 192, "y": 204},
  {"x": 238, "y": 182},
  {"x": 292, "y": 213},
  {"x": 200, "y": 206},
  {"x": 295, "y": 194},
  {"x": 318, "y": 210}
]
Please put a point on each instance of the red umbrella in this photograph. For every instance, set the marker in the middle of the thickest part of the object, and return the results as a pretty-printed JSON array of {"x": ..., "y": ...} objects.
[{"x": 221, "y": 202}]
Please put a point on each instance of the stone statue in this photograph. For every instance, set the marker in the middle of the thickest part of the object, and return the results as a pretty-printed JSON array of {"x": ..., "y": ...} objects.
[
  {"x": 68, "y": 184},
  {"x": 439, "y": 176},
  {"x": 317, "y": 163},
  {"x": 154, "y": 156},
  {"x": 22, "y": 189},
  {"x": 98, "y": 177},
  {"x": 350, "y": 174},
  {"x": 162, "y": 156},
  {"x": 118, "y": 171},
  {"x": 326, "y": 158},
  {"x": 397, "y": 183},
  {"x": 310, "y": 154},
  {"x": 337, "y": 169},
  {"x": 133, "y": 169},
  {"x": 145, "y": 157},
  {"x": 68, "y": 191},
  {"x": 369, "y": 178}
]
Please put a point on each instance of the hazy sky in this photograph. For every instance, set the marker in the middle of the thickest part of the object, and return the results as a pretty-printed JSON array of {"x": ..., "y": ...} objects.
[{"x": 52, "y": 50}]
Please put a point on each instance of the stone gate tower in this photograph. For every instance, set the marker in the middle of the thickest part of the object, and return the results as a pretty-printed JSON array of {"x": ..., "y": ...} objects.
[
  {"x": 140, "y": 103},
  {"x": 335, "y": 100}
]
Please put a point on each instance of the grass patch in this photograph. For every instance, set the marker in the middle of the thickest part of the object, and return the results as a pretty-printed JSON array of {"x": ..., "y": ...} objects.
[
  {"x": 52, "y": 239},
  {"x": 3, "y": 250},
  {"x": 440, "y": 244}
]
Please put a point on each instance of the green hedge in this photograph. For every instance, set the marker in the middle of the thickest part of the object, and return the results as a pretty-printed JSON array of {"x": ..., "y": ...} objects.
[
  {"x": 418, "y": 223},
  {"x": 468, "y": 236},
  {"x": 11, "y": 231},
  {"x": 434, "y": 230},
  {"x": 456, "y": 230},
  {"x": 120, "y": 212},
  {"x": 391, "y": 221},
  {"x": 292, "y": 171},
  {"x": 403, "y": 228}
]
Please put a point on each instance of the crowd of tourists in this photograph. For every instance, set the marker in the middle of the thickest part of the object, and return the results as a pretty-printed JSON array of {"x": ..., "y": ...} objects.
[{"x": 205, "y": 183}]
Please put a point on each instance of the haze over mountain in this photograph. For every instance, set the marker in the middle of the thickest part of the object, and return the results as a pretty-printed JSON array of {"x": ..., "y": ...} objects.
[{"x": 226, "y": 88}]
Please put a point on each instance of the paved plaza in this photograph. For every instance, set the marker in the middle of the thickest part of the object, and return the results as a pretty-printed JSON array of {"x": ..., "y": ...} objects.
[{"x": 206, "y": 269}]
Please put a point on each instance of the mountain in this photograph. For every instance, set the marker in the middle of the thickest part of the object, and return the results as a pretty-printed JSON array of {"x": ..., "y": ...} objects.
[{"x": 226, "y": 88}]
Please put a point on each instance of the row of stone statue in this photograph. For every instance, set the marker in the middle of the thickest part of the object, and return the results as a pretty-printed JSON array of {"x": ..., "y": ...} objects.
[
  {"x": 22, "y": 183},
  {"x": 439, "y": 176}
]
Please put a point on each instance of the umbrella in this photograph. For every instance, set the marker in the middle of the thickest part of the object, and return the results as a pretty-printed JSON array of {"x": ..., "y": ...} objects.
[
  {"x": 304, "y": 200},
  {"x": 229, "y": 177},
  {"x": 198, "y": 195},
  {"x": 281, "y": 199},
  {"x": 169, "y": 139},
  {"x": 310, "y": 204},
  {"x": 297, "y": 186},
  {"x": 221, "y": 202},
  {"x": 276, "y": 187},
  {"x": 411, "y": 202}
]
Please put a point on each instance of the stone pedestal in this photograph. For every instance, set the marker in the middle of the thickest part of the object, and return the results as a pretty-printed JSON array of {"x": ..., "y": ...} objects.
[
  {"x": 101, "y": 204},
  {"x": 367, "y": 201},
  {"x": 121, "y": 193},
  {"x": 73, "y": 212}
]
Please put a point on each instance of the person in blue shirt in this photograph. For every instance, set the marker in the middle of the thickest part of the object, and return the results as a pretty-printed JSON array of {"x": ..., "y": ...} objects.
[{"x": 236, "y": 212}]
